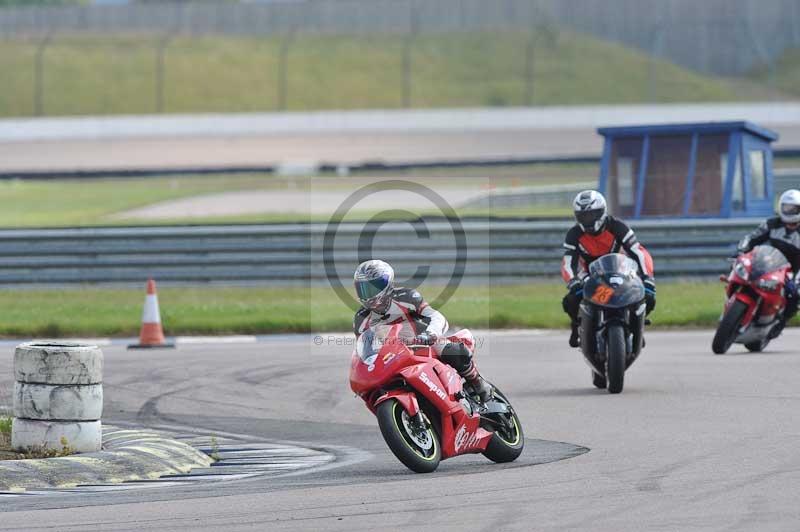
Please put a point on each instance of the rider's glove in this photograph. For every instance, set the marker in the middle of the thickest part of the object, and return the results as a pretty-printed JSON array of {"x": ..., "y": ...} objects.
[
  {"x": 575, "y": 286},
  {"x": 791, "y": 286},
  {"x": 649, "y": 294},
  {"x": 424, "y": 339}
]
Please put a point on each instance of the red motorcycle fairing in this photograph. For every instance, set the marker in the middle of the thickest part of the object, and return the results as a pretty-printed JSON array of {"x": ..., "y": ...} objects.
[
  {"x": 761, "y": 303},
  {"x": 769, "y": 303},
  {"x": 396, "y": 368},
  {"x": 460, "y": 432}
]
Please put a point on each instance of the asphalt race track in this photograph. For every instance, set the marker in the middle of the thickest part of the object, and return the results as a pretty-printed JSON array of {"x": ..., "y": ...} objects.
[{"x": 695, "y": 442}]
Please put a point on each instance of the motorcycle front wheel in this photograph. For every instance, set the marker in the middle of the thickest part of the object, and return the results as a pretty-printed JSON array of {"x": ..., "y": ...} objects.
[
  {"x": 417, "y": 448},
  {"x": 615, "y": 358},
  {"x": 508, "y": 439},
  {"x": 728, "y": 328}
]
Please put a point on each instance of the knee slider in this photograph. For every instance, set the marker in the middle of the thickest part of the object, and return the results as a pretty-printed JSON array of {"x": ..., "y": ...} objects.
[{"x": 457, "y": 355}]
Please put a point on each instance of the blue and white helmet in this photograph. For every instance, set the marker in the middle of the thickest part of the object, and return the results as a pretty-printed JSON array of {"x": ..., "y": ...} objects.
[
  {"x": 374, "y": 281},
  {"x": 790, "y": 206},
  {"x": 591, "y": 212}
]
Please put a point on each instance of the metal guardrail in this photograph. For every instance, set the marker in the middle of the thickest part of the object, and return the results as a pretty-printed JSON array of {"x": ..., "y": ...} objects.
[{"x": 496, "y": 251}]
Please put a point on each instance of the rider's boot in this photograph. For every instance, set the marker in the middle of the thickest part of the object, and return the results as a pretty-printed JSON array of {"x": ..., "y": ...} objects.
[
  {"x": 574, "y": 337},
  {"x": 788, "y": 312},
  {"x": 458, "y": 356},
  {"x": 482, "y": 388}
]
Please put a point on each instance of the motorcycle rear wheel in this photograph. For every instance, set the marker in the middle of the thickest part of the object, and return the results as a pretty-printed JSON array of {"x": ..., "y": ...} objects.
[
  {"x": 420, "y": 451},
  {"x": 507, "y": 443},
  {"x": 615, "y": 359},
  {"x": 728, "y": 328}
]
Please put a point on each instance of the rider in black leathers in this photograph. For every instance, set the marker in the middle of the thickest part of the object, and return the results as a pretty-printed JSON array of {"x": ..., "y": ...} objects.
[
  {"x": 595, "y": 234},
  {"x": 781, "y": 232}
]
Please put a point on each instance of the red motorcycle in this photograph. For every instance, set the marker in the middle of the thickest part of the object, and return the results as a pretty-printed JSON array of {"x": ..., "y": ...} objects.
[
  {"x": 753, "y": 313},
  {"x": 424, "y": 411}
]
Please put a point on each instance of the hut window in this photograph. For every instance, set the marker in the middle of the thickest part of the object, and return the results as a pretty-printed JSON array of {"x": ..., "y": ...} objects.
[
  {"x": 758, "y": 181},
  {"x": 625, "y": 180}
]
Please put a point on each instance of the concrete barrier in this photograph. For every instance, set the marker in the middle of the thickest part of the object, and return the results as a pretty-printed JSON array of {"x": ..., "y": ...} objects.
[{"x": 58, "y": 396}]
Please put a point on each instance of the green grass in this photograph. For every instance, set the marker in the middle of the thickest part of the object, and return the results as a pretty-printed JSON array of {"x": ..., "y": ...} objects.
[
  {"x": 555, "y": 173},
  {"x": 532, "y": 213},
  {"x": 5, "y": 435},
  {"x": 784, "y": 75},
  {"x": 114, "y": 75},
  {"x": 255, "y": 310},
  {"x": 75, "y": 202},
  {"x": 91, "y": 202}
]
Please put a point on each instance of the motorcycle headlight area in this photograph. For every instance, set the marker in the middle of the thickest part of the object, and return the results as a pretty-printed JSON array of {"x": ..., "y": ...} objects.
[
  {"x": 740, "y": 270},
  {"x": 769, "y": 285}
]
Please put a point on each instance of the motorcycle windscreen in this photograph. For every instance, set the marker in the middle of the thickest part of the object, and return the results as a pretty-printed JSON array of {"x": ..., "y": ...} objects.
[
  {"x": 372, "y": 340},
  {"x": 766, "y": 259},
  {"x": 616, "y": 263},
  {"x": 614, "y": 282}
]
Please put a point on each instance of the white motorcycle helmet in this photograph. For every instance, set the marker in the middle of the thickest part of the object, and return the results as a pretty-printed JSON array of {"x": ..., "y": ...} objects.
[
  {"x": 590, "y": 210},
  {"x": 789, "y": 207},
  {"x": 374, "y": 281}
]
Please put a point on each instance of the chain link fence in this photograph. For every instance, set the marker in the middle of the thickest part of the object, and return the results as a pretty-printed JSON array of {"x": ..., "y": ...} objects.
[{"x": 344, "y": 54}]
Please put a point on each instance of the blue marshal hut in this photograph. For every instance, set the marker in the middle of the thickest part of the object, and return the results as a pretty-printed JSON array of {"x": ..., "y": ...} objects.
[{"x": 717, "y": 169}]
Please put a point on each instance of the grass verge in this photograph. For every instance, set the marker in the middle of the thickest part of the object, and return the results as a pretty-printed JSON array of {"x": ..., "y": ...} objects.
[
  {"x": 77, "y": 202},
  {"x": 783, "y": 75},
  {"x": 119, "y": 75},
  {"x": 72, "y": 202},
  {"x": 258, "y": 310}
]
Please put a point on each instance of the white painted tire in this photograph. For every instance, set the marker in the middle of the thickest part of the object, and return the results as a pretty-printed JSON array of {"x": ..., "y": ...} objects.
[
  {"x": 82, "y": 437},
  {"x": 58, "y": 363},
  {"x": 57, "y": 402}
]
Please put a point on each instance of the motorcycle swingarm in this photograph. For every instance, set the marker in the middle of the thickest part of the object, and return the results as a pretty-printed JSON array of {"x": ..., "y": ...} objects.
[{"x": 494, "y": 407}]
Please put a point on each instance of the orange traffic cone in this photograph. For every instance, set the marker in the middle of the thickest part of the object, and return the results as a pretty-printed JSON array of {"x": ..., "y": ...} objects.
[{"x": 151, "y": 335}]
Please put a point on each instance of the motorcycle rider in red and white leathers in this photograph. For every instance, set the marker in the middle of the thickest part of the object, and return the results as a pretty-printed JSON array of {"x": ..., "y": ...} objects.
[
  {"x": 383, "y": 303},
  {"x": 781, "y": 232},
  {"x": 595, "y": 234}
]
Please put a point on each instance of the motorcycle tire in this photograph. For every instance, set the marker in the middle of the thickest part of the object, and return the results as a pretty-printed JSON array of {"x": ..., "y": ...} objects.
[
  {"x": 599, "y": 381},
  {"x": 506, "y": 445},
  {"x": 728, "y": 328},
  {"x": 404, "y": 444},
  {"x": 615, "y": 358}
]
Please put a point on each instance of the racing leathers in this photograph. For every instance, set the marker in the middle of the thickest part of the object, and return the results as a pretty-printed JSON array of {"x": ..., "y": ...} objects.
[
  {"x": 581, "y": 248},
  {"x": 422, "y": 324},
  {"x": 776, "y": 234}
]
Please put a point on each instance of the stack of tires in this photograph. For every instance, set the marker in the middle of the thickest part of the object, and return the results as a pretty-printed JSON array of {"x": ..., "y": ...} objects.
[{"x": 58, "y": 397}]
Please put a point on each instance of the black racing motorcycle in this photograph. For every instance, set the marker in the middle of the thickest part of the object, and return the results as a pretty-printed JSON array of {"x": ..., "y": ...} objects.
[{"x": 612, "y": 319}]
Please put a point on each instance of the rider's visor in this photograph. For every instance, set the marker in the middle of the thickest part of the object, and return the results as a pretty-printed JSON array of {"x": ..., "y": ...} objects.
[
  {"x": 588, "y": 218},
  {"x": 790, "y": 209},
  {"x": 367, "y": 289}
]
